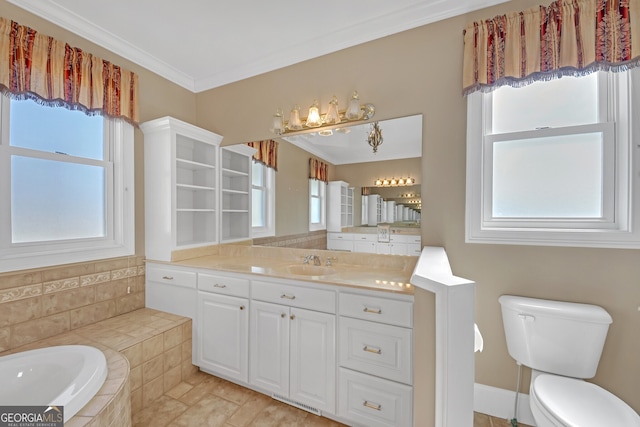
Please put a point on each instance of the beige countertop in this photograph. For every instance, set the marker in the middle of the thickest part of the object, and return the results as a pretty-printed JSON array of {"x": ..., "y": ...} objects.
[{"x": 390, "y": 273}]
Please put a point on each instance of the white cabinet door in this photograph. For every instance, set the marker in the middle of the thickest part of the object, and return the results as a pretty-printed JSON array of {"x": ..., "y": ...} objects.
[
  {"x": 269, "y": 341},
  {"x": 313, "y": 360},
  {"x": 224, "y": 335}
]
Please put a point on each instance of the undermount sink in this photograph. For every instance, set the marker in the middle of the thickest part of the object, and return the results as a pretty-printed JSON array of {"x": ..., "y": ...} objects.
[{"x": 309, "y": 270}]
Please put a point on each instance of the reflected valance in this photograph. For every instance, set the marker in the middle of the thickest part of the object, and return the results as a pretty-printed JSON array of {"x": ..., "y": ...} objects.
[
  {"x": 568, "y": 37},
  {"x": 318, "y": 170},
  {"x": 39, "y": 67},
  {"x": 266, "y": 152}
]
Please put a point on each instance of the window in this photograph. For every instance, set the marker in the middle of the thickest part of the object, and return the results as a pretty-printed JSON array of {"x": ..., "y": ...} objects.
[
  {"x": 263, "y": 192},
  {"x": 317, "y": 205},
  {"x": 551, "y": 163},
  {"x": 66, "y": 184}
]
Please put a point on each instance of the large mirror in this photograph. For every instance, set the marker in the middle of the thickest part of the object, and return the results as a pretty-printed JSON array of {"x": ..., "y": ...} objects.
[{"x": 352, "y": 160}]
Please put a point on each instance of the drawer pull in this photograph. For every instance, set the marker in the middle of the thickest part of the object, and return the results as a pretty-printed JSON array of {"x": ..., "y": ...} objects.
[
  {"x": 219, "y": 286},
  {"x": 167, "y": 277},
  {"x": 375, "y": 406},
  {"x": 288, "y": 296},
  {"x": 372, "y": 349},
  {"x": 372, "y": 310}
]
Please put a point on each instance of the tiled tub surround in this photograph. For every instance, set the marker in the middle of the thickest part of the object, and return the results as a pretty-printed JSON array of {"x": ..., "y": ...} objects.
[
  {"x": 40, "y": 303},
  {"x": 111, "y": 406},
  {"x": 148, "y": 353}
]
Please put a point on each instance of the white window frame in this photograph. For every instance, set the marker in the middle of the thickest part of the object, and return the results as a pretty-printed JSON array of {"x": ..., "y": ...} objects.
[
  {"x": 620, "y": 225},
  {"x": 322, "y": 225},
  {"x": 269, "y": 188},
  {"x": 120, "y": 214}
]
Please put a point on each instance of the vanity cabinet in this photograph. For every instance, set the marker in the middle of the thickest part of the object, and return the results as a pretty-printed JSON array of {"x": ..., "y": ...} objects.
[
  {"x": 293, "y": 348},
  {"x": 173, "y": 290},
  {"x": 339, "y": 205},
  {"x": 235, "y": 194},
  {"x": 375, "y": 359},
  {"x": 223, "y": 325},
  {"x": 180, "y": 177},
  {"x": 340, "y": 241},
  {"x": 365, "y": 243}
]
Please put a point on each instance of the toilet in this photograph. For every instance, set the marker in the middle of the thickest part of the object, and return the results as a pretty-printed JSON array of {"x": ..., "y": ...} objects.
[{"x": 562, "y": 343}]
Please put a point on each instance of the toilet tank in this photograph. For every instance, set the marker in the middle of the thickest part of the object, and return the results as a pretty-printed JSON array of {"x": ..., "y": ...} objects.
[{"x": 562, "y": 338}]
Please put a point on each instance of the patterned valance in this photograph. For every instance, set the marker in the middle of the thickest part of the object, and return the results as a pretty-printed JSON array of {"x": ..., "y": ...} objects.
[
  {"x": 266, "y": 152},
  {"x": 569, "y": 37},
  {"x": 318, "y": 170},
  {"x": 36, "y": 66}
]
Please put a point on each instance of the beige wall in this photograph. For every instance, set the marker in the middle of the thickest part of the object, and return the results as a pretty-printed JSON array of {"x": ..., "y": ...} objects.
[
  {"x": 420, "y": 72},
  {"x": 158, "y": 97},
  {"x": 416, "y": 72}
]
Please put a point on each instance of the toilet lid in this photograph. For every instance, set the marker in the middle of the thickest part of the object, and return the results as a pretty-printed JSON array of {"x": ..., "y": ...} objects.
[{"x": 579, "y": 403}]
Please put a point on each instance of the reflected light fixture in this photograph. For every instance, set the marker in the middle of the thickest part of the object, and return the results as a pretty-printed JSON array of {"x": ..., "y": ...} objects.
[
  {"x": 394, "y": 182},
  {"x": 355, "y": 112},
  {"x": 375, "y": 138}
]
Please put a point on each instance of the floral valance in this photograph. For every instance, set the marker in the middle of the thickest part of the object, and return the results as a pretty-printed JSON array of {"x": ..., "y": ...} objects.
[
  {"x": 36, "y": 66},
  {"x": 569, "y": 37},
  {"x": 318, "y": 170},
  {"x": 267, "y": 152}
]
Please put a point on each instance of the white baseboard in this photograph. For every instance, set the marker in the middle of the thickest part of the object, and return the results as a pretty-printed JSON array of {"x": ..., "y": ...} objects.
[{"x": 499, "y": 403}]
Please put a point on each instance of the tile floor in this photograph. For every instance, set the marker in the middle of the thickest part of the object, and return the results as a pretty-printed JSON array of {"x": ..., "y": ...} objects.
[{"x": 204, "y": 400}]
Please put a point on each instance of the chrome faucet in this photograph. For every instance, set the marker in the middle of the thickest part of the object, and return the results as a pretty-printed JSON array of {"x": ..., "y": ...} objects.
[{"x": 314, "y": 258}]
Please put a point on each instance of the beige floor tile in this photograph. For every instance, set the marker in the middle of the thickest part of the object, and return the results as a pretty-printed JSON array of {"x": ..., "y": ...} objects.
[
  {"x": 179, "y": 390},
  {"x": 198, "y": 392},
  {"x": 249, "y": 410},
  {"x": 233, "y": 392},
  {"x": 481, "y": 420},
  {"x": 210, "y": 411},
  {"x": 205, "y": 400},
  {"x": 279, "y": 415},
  {"x": 160, "y": 413}
]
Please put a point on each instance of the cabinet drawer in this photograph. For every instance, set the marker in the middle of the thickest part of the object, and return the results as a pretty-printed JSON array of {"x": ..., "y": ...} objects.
[
  {"x": 376, "y": 349},
  {"x": 374, "y": 402},
  {"x": 377, "y": 309},
  {"x": 223, "y": 285},
  {"x": 339, "y": 236},
  {"x": 170, "y": 276},
  {"x": 295, "y": 296},
  {"x": 361, "y": 237}
]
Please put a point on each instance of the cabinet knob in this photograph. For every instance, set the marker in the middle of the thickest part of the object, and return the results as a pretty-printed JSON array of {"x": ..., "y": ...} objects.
[
  {"x": 293, "y": 316},
  {"x": 242, "y": 307},
  {"x": 167, "y": 277},
  {"x": 283, "y": 315}
]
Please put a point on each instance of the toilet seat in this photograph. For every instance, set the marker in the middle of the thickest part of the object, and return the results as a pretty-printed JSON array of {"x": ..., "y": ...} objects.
[{"x": 572, "y": 402}]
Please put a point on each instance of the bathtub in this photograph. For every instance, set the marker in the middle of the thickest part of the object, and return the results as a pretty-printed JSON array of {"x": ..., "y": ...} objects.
[{"x": 67, "y": 375}]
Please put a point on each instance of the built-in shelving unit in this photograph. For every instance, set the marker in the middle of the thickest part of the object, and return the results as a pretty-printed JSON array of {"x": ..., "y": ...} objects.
[
  {"x": 181, "y": 194},
  {"x": 235, "y": 194},
  {"x": 339, "y": 205}
]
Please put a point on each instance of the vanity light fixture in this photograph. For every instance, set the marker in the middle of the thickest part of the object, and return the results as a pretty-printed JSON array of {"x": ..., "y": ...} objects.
[
  {"x": 394, "y": 182},
  {"x": 355, "y": 112}
]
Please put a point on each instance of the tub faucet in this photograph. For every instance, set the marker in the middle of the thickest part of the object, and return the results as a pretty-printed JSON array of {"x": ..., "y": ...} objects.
[{"x": 314, "y": 258}]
